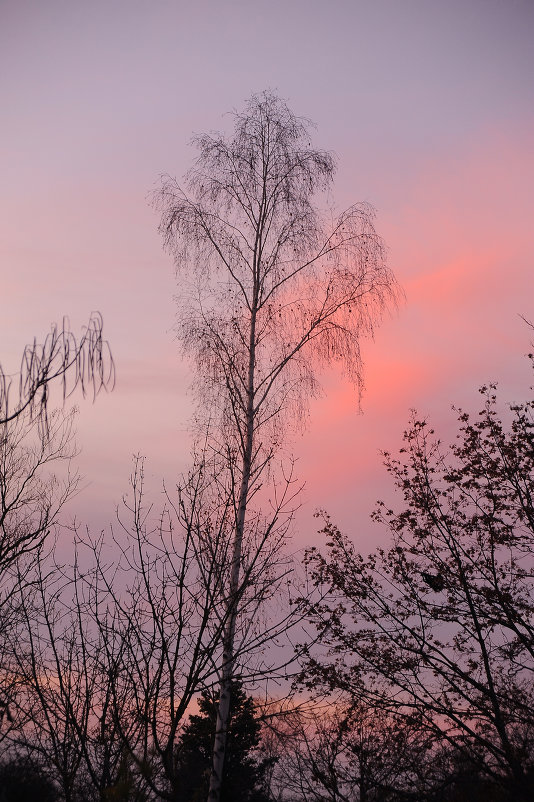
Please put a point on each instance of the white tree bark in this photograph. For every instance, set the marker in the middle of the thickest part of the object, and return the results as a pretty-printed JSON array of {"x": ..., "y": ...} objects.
[{"x": 270, "y": 291}]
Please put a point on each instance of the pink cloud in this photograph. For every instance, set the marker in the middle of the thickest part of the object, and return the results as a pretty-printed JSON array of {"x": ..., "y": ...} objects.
[{"x": 463, "y": 247}]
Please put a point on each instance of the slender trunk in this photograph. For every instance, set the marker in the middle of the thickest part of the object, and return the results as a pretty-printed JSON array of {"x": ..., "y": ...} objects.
[{"x": 227, "y": 672}]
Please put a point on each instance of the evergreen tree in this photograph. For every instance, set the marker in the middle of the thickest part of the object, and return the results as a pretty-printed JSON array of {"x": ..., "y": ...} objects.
[
  {"x": 244, "y": 771},
  {"x": 22, "y": 780}
]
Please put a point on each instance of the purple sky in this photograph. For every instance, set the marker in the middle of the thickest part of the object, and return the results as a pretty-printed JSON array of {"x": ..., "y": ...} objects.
[{"x": 429, "y": 107}]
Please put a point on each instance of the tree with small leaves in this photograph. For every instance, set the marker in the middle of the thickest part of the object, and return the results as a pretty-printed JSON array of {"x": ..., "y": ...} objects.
[{"x": 441, "y": 624}]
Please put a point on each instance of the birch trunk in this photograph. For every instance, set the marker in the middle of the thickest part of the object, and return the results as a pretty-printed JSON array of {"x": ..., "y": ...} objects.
[
  {"x": 227, "y": 672},
  {"x": 274, "y": 289}
]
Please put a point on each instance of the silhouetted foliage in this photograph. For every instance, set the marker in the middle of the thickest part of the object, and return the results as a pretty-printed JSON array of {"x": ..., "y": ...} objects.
[
  {"x": 244, "y": 769},
  {"x": 351, "y": 754},
  {"x": 22, "y": 780},
  {"x": 441, "y": 625}
]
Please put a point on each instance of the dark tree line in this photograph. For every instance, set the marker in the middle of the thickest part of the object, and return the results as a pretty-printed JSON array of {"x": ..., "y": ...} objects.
[{"x": 424, "y": 691}]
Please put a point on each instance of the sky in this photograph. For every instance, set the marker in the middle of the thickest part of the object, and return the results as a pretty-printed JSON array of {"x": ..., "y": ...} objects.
[{"x": 429, "y": 109}]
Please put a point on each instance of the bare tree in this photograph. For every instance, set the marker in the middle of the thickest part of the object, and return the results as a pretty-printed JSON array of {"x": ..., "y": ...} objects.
[
  {"x": 36, "y": 448},
  {"x": 65, "y": 707},
  {"x": 270, "y": 290},
  {"x": 161, "y": 611},
  {"x": 55, "y": 684},
  {"x": 108, "y": 655},
  {"x": 31, "y": 494},
  {"x": 36, "y": 481},
  {"x": 33, "y": 439}
]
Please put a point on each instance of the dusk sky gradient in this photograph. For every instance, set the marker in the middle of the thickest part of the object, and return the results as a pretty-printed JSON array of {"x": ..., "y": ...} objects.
[{"x": 429, "y": 109}]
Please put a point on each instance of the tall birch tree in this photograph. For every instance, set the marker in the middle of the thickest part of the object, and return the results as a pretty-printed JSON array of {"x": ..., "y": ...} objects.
[{"x": 271, "y": 289}]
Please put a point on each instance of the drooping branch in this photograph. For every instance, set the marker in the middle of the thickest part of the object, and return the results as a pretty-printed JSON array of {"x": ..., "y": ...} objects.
[{"x": 61, "y": 359}]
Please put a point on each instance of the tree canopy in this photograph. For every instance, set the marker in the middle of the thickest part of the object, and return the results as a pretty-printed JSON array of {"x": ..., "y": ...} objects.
[{"x": 439, "y": 627}]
